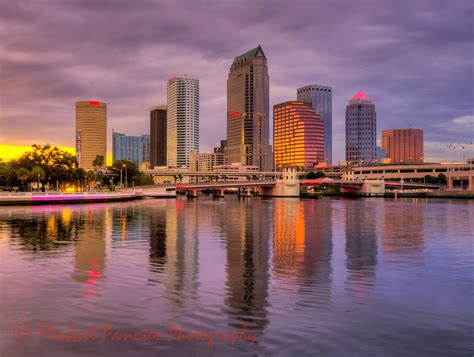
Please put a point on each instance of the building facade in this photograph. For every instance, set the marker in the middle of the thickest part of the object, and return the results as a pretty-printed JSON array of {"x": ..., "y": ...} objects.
[
  {"x": 403, "y": 146},
  {"x": 208, "y": 161},
  {"x": 91, "y": 132},
  {"x": 158, "y": 134},
  {"x": 183, "y": 120},
  {"x": 131, "y": 148},
  {"x": 248, "y": 111},
  {"x": 298, "y": 135},
  {"x": 361, "y": 130},
  {"x": 320, "y": 98}
]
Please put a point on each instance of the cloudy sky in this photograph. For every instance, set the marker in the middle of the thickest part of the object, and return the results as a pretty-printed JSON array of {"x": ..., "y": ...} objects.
[{"x": 413, "y": 58}]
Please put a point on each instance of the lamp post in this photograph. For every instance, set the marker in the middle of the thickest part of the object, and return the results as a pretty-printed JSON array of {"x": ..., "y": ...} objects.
[
  {"x": 126, "y": 176},
  {"x": 121, "y": 178}
]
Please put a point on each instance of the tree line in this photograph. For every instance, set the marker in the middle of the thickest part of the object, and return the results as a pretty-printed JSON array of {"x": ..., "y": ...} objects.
[{"x": 49, "y": 166}]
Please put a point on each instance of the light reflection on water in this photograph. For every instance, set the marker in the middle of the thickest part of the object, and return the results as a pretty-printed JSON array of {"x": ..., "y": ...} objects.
[{"x": 330, "y": 276}]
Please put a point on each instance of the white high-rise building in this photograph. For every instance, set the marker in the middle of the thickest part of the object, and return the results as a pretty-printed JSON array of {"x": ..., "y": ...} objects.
[{"x": 183, "y": 119}]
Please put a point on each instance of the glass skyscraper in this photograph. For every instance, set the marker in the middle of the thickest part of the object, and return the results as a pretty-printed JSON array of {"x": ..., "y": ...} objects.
[
  {"x": 131, "y": 148},
  {"x": 248, "y": 102},
  {"x": 361, "y": 130},
  {"x": 298, "y": 135},
  {"x": 183, "y": 120},
  {"x": 320, "y": 98}
]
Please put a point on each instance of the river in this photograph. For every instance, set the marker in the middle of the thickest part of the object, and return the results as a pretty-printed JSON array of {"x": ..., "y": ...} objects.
[{"x": 258, "y": 276}]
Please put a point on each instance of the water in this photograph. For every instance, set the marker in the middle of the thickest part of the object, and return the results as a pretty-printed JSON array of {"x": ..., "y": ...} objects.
[{"x": 283, "y": 277}]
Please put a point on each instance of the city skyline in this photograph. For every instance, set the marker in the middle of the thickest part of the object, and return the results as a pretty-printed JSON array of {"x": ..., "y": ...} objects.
[{"x": 390, "y": 57}]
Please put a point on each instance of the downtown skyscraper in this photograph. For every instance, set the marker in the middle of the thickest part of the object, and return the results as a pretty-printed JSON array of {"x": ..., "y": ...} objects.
[
  {"x": 298, "y": 135},
  {"x": 91, "y": 132},
  {"x": 361, "y": 130},
  {"x": 320, "y": 98},
  {"x": 182, "y": 120},
  {"x": 248, "y": 111},
  {"x": 158, "y": 132}
]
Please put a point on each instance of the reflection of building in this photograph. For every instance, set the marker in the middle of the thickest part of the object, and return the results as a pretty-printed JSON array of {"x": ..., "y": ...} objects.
[
  {"x": 403, "y": 146},
  {"x": 403, "y": 231},
  {"x": 158, "y": 136},
  {"x": 182, "y": 120},
  {"x": 247, "y": 263},
  {"x": 361, "y": 130},
  {"x": 302, "y": 244},
  {"x": 248, "y": 111},
  {"x": 320, "y": 98},
  {"x": 91, "y": 132},
  {"x": 298, "y": 135},
  {"x": 131, "y": 148},
  {"x": 90, "y": 248},
  {"x": 361, "y": 245}
]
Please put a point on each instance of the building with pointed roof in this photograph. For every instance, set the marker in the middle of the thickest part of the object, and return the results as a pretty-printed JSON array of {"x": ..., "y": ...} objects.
[
  {"x": 248, "y": 111},
  {"x": 361, "y": 130}
]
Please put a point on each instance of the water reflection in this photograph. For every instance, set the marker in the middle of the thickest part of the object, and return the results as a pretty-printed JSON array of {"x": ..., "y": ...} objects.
[
  {"x": 403, "y": 231},
  {"x": 301, "y": 271},
  {"x": 302, "y": 247},
  {"x": 361, "y": 246},
  {"x": 46, "y": 229},
  {"x": 247, "y": 231}
]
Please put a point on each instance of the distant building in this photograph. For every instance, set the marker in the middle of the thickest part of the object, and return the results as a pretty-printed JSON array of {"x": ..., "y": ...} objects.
[
  {"x": 193, "y": 160},
  {"x": 320, "y": 98},
  {"x": 91, "y": 132},
  {"x": 220, "y": 147},
  {"x": 361, "y": 130},
  {"x": 158, "y": 136},
  {"x": 380, "y": 155},
  {"x": 403, "y": 146},
  {"x": 131, "y": 148},
  {"x": 298, "y": 135},
  {"x": 248, "y": 111},
  {"x": 183, "y": 120},
  {"x": 208, "y": 161}
]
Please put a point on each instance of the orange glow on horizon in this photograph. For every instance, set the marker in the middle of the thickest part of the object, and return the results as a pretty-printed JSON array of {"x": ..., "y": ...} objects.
[{"x": 10, "y": 152}]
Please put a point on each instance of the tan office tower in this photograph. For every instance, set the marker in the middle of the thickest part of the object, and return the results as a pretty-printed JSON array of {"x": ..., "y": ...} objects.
[
  {"x": 91, "y": 132},
  {"x": 403, "y": 146},
  {"x": 248, "y": 111}
]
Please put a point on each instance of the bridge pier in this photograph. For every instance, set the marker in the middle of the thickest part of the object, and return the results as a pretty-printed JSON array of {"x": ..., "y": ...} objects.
[
  {"x": 219, "y": 194},
  {"x": 192, "y": 193}
]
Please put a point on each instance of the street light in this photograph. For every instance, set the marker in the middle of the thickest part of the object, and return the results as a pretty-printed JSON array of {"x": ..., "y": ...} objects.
[{"x": 126, "y": 177}]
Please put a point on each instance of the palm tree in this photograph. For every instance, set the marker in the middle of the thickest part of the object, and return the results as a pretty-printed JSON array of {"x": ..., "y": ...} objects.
[
  {"x": 23, "y": 175},
  {"x": 37, "y": 173}
]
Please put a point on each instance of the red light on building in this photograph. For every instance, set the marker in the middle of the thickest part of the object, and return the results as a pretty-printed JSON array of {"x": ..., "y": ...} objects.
[
  {"x": 94, "y": 103},
  {"x": 234, "y": 114}
]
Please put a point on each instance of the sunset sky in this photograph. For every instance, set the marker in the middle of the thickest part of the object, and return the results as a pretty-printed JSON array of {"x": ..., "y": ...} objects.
[{"x": 413, "y": 58}]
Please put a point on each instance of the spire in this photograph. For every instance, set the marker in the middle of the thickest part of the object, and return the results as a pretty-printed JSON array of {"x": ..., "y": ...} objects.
[{"x": 360, "y": 95}]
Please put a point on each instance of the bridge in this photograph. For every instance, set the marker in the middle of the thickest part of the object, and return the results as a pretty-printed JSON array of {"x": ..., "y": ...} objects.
[{"x": 284, "y": 183}]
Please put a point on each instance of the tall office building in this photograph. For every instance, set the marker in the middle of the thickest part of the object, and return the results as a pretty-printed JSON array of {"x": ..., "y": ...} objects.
[
  {"x": 131, "y": 148},
  {"x": 248, "y": 111},
  {"x": 91, "y": 132},
  {"x": 158, "y": 136},
  {"x": 320, "y": 97},
  {"x": 298, "y": 135},
  {"x": 183, "y": 120},
  {"x": 403, "y": 146},
  {"x": 361, "y": 130}
]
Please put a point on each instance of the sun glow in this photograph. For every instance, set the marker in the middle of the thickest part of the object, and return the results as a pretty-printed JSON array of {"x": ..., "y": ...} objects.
[{"x": 10, "y": 152}]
